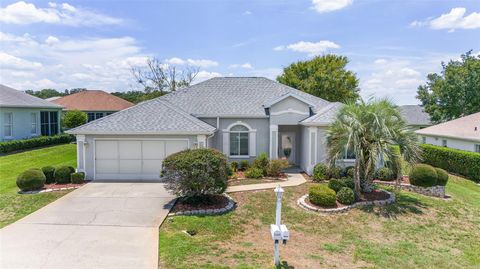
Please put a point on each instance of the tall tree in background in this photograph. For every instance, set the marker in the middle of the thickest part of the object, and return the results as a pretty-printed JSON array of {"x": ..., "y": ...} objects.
[
  {"x": 323, "y": 76},
  {"x": 455, "y": 92},
  {"x": 163, "y": 77},
  {"x": 45, "y": 93}
]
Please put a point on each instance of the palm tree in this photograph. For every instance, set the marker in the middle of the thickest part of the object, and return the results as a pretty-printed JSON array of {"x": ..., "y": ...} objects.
[{"x": 371, "y": 130}]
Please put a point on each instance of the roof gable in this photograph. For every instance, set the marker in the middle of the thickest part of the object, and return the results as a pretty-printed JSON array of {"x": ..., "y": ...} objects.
[
  {"x": 467, "y": 127},
  {"x": 10, "y": 97},
  {"x": 270, "y": 103},
  {"x": 93, "y": 100}
]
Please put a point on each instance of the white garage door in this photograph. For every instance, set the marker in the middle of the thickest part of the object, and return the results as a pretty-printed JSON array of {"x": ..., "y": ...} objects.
[{"x": 133, "y": 159}]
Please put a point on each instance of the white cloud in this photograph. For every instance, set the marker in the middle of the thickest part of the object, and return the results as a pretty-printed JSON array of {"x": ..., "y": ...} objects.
[
  {"x": 175, "y": 61},
  {"x": 312, "y": 48},
  {"x": 12, "y": 62},
  {"x": 202, "y": 63},
  {"x": 51, "y": 40},
  {"x": 380, "y": 61},
  {"x": 247, "y": 12},
  {"x": 204, "y": 75},
  {"x": 245, "y": 66},
  {"x": 455, "y": 19},
  {"x": 322, "y": 6},
  {"x": 66, "y": 14}
]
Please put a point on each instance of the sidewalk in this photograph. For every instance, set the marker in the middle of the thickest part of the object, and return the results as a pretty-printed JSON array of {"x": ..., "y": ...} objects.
[{"x": 294, "y": 179}]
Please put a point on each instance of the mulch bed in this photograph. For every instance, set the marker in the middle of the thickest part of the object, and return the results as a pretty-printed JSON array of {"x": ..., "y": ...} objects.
[
  {"x": 59, "y": 186},
  {"x": 241, "y": 175},
  {"x": 214, "y": 202},
  {"x": 375, "y": 195}
]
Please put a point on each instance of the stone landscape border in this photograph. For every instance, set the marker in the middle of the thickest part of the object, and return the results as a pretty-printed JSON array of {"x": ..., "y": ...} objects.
[
  {"x": 303, "y": 204},
  {"x": 207, "y": 212},
  {"x": 435, "y": 191},
  {"x": 50, "y": 190}
]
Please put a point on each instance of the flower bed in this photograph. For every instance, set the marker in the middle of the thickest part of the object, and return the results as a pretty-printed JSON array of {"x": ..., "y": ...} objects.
[
  {"x": 53, "y": 187},
  {"x": 378, "y": 197},
  {"x": 222, "y": 204}
]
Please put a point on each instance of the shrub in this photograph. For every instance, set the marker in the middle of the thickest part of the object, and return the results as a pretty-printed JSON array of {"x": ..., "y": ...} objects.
[
  {"x": 10, "y": 146},
  {"x": 349, "y": 171},
  {"x": 322, "y": 195},
  {"x": 336, "y": 184},
  {"x": 442, "y": 177},
  {"x": 455, "y": 161},
  {"x": 196, "y": 172},
  {"x": 320, "y": 172},
  {"x": 253, "y": 172},
  {"x": 384, "y": 174},
  {"x": 348, "y": 182},
  {"x": 234, "y": 166},
  {"x": 229, "y": 171},
  {"x": 62, "y": 175},
  {"x": 346, "y": 196},
  {"x": 334, "y": 172},
  {"x": 48, "y": 171},
  {"x": 423, "y": 175},
  {"x": 30, "y": 180},
  {"x": 261, "y": 162},
  {"x": 74, "y": 118},
  {"x": 275, "y": 167},
  {"x": 77, "y": 178},
  {"x": 72, "y": 169},
  {"x": 244, "y": 165}
]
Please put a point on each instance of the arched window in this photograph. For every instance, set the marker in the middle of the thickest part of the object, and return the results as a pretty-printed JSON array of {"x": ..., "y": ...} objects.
[{"x": 239, "y": 140}]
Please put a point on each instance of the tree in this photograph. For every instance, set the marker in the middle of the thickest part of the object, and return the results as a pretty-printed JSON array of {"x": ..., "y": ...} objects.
[
  {"x": 372, "y": 130},
  {"x": 45, "y": 93},
  {"x": 163, "y": 77},
  {"x": 323, "y": 76},
  {"x": 453, "y": 93},
  {"x": 74, "y": 118},
  {"x": 137, "y": 96}
]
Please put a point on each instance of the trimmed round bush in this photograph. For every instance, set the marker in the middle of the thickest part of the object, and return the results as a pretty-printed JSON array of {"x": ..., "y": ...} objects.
[
  {"x": 385, "y": 174},
  {"x": 346, "y": 196},
  {"x": 336, "y": 184},
  {"x": 423, "y": 175},
  {"x": 322, "y": 195},
  {"x": 320, "y": 172},
  {"x": 348, "y": 182},
  {"x": 334, "y": 172},
  {"x": 349, "y": 171},
  {"x": 77, "y": 178},
  {"x": 254, "y": 172},
  {"x": 72, "y": 169},
  {"x": 48, "y": 171},
  {"x": 442, "y": 177},
  {"x": 196, "y": 173},
  {"x": 62, "y": 175},
  {"x": 30, "y": 180}
]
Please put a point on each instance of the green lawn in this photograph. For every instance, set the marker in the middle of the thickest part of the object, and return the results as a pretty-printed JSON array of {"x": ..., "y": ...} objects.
[
  {"x": 14, "y": 206},
  {"x": 416, "y": 232}
]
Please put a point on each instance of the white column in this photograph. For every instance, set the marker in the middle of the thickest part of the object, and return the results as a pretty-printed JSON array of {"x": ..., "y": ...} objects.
[
  {"x": 312, "y": 149},
  {"x": 252, "y": 138},
  {"x": 273, "y": 142},
  {"x": 80, "y": 153},
  {"x": 201, "y": 141}
]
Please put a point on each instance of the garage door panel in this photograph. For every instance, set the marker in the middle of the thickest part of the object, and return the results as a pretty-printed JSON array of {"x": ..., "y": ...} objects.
[
  {"x": 130, "y": 149},
  {"x": 153, "y": 150},
  {"x": 106, "y": 166},
  {"x": 175, "y": 146},
  {"x": 106, "y": 149},
  {"x": 152, "y": 167},
  {"x": 130, "y": 167}
]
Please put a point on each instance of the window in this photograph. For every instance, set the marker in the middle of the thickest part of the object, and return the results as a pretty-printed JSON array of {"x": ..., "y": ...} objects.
[
  {"x": 98, "y": 115},
  {"x": 33, "y": 128},
  {"x": 49, "y": 122},
  {"x": 95, "y": 115},
  {"x": 477, "y": 148},
  {"x": 348, "y": 154},
  {"x": 444, "y": 143},
  {"x": 239, "y": 140},
  {"x": 424, "y": 140},
  {"x": 8, "y": 124}
]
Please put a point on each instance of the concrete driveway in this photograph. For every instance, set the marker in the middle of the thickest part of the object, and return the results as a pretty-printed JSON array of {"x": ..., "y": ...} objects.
[{"x": 101, "y": 225}]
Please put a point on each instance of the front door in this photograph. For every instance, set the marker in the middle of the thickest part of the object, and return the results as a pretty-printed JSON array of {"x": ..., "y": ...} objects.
[{"x": 287, "y": 146}]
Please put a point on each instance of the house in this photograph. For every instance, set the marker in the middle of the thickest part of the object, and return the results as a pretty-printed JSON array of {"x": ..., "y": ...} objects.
[
  {"x": 415, "y": 116},
  {"x": 240, "y": 116},
  {"x": 462, "y": 133},
  {"x": 26, "y": 116},
  {"x": 96, "y": 104}
]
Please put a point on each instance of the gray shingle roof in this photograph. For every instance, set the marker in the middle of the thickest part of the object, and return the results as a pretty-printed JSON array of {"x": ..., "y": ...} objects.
[
  {"x": 12, "y": 98},
  {"x": 324, "y": 116},
  {"x": 414, "y": 115},
  {"x": 467, "y": 128},
  {"x": 234, "y": 96},
  {"x": 151, "y": 117}
]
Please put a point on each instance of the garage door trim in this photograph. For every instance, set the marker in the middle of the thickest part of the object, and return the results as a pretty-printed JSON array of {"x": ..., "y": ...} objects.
[{"x": 127, "y": 139}]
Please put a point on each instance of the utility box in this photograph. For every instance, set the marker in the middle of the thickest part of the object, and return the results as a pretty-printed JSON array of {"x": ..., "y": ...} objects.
[
  {"x": 285, "y": 233},
  {"x": 276, "y": 232}
]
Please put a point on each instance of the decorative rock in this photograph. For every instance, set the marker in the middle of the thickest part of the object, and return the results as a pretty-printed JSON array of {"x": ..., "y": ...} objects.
[
  {"x": 229, "y": 207},
  {"x": 435, "y": 191}
]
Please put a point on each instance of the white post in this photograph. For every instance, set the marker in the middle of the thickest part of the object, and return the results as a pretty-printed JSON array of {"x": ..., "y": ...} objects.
[{"x": 278, "y": 216}]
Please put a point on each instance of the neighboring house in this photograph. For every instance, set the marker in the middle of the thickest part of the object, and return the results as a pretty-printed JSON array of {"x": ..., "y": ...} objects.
[
  {"x": 25, "y": 116},
  {"x": 415, "y": 117},
  {"x": 97, "y": 104},
  {"x": 240, "y": 116},
  {"x": 462, "y": 133}
]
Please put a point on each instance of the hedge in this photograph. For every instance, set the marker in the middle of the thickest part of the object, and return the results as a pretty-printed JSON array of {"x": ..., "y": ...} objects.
[
  {"x": 455, "y": 161},
  {"x": 10, "y": 146}
]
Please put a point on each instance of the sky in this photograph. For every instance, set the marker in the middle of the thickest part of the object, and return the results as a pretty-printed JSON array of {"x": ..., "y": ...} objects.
[{"x": 391, "y": 45}]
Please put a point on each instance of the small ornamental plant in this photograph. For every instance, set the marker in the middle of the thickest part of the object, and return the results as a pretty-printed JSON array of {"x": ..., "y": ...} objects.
[
  {"x": 62, "y": 175},
  {"x": 320, "y": 172},
  {"x": 322, "y": 195},
  {"x": 30, "y": 180},
  {"x": 423, "y": 175}
]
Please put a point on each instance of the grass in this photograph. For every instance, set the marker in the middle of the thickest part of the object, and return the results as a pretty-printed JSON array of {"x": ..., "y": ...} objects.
[
  {"x": 416, "y": 232},
  {"x": 14, "y": 206}
]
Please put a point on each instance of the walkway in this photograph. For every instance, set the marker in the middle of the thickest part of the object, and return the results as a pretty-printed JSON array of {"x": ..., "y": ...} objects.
[{"x": 294, "y": 179}]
